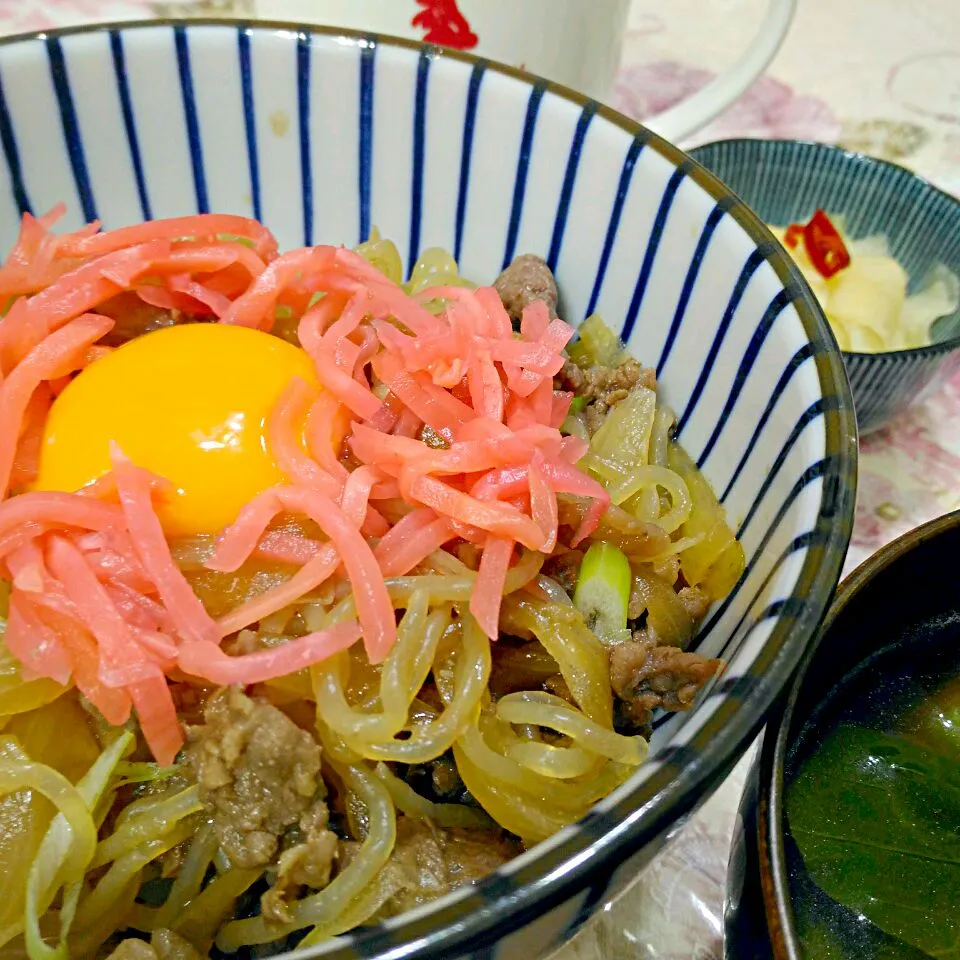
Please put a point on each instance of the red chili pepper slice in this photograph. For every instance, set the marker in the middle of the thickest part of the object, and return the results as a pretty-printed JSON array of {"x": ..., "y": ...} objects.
[
  {"x": 825, "y": 246},
  {"x": 792, "y": 236}
]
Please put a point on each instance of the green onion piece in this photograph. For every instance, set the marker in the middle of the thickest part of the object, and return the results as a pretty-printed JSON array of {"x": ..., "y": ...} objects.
[
  {"x": 133, "y": 772},
  {"x": 282, "y": 312},
  {"x": 574, "y": 426},
  {"x": 315, "y": 299},
  {"x": 235, "y": 238},
  {"x": 603, "y": 588},
  {"x": 578, "y": 405}
]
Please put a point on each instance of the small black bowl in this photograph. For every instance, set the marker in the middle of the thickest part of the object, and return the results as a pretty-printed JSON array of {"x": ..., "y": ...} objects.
[
  {"x": 907, "y": 592},
  {"x": 785, "y": 181}
]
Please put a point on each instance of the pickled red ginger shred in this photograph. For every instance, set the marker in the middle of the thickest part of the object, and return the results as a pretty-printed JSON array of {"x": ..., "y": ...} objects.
[{"x": 97, "y": 598}]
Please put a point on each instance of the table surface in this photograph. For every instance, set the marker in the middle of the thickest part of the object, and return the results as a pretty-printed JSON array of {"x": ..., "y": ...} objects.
[{"x": 880, "y": 76}]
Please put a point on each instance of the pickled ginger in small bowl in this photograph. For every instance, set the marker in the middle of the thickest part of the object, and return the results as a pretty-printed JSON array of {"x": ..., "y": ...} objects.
[
  {"x": 863, "y": 288},
  {"x": 879, "y": 247}
]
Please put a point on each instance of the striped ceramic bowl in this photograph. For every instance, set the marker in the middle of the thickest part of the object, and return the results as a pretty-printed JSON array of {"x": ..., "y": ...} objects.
[
  {"x": 323, "y": 135},
  {"x": 784, "y": 181}
]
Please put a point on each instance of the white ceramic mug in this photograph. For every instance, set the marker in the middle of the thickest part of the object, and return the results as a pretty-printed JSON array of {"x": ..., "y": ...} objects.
[{"x": 574, "y": 42}]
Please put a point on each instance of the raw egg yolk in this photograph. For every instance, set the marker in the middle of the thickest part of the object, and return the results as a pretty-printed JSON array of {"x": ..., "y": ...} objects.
[{"x": 189, "y": 403}]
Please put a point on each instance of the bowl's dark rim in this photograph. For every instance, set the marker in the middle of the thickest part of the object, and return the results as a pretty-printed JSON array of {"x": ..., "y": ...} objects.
[
  {"x": 941, "y": 347},
  {"x": 597, "y": 844},
  {"x": 774, "y": 876}
]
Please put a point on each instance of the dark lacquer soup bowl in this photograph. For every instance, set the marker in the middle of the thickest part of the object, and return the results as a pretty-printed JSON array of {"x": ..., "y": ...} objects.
[{"x": 847, "y": 852}]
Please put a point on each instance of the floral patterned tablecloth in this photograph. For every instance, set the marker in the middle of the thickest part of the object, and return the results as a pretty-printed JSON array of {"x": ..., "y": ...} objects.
[{"x": 881, "y": 76}]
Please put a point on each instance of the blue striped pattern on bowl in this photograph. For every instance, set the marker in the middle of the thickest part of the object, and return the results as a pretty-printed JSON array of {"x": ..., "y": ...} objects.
[
  {"x": 325, "y": 135},
  {"x": 786, "y": 180}
]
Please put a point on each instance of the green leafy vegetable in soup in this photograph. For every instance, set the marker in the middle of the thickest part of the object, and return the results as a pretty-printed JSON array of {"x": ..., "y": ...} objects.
[{"x": 876, "y": 818}]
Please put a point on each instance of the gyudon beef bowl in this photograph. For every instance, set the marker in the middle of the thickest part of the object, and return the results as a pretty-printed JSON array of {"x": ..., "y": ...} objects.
[{"x": 418, "y": 482}]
